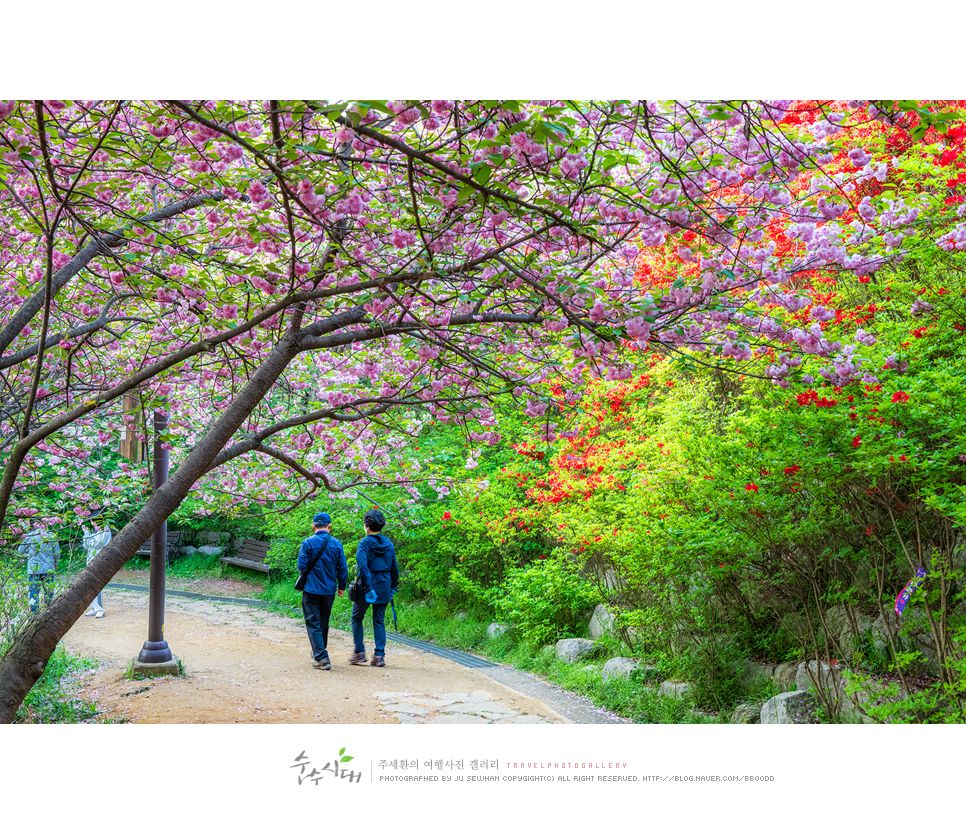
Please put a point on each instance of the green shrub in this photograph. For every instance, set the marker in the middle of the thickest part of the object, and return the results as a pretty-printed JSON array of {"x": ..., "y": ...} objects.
[{"x": 546, "y": 600}]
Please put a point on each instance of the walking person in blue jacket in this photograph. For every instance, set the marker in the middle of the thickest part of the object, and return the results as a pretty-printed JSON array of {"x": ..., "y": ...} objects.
[
  {"x": 376, "y": 562},
  {"x": 327, "y": 577}
]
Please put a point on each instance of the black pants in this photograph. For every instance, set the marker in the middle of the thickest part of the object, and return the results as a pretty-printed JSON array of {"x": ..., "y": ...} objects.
[{"x": 316, "y": 608}]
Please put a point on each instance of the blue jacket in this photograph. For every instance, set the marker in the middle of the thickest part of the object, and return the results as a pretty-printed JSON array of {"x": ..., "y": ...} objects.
[
  {"x": 42, "y": 550},
  {"x": 376, "y": 561},
  {"x": 330, "y": 572}
]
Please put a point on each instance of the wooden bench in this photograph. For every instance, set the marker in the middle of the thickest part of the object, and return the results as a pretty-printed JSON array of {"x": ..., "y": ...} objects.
[
  {"x": 174, "y": 536},
  {"x": 251, "y": 554}
]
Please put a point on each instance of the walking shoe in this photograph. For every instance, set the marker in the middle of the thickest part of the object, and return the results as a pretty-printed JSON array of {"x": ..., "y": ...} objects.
[
  {"x": 98, "y": 615},
  {"x": 90, "y": 612},
  {"x": 358, "y": 658},
  {"x": 322, "y": 663},
  {"x": 377, "y": 661}
]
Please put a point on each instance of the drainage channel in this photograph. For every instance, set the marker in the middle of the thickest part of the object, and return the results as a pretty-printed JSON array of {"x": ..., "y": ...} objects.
[
  {"x": 254, "y": 603},
  {"x": 471, "y": 661}
]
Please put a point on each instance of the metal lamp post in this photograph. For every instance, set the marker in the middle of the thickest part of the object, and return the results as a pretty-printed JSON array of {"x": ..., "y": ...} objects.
[
  {"x": 155, "y": 656},
  {"x": 155, "y": 649}
]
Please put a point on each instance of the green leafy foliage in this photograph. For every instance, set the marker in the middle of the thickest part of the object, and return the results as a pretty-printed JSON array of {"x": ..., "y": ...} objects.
[{"x": 546, "y": 600}]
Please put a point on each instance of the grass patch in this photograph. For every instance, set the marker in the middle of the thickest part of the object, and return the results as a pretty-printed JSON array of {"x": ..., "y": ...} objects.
[
  {"x": 425, "y": 623},
  {"x": 628, "y": 697},
  {"x": 49, "y": 702},
  {"x": 196, "y": 565}
]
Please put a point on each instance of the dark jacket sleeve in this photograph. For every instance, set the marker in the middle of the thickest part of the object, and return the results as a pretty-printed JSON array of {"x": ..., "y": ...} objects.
[
  {"x": 394, "y": 573},
  {"x": 362, "y": 562},
  {"x": 342, "y": 569},
  {"x": 303, "y": 561}
]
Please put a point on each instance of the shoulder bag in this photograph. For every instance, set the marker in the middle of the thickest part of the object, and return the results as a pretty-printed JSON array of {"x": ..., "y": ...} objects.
[
  {"x": 357, "y": 588},
  {"x": 304, "y": 577}
]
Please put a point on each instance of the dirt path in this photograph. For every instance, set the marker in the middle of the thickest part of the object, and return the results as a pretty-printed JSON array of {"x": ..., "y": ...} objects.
[{"x": 250, "y": 665}]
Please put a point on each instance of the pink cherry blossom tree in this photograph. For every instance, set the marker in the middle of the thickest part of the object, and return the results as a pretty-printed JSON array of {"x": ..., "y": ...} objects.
[{"x": 297, "y": 283}]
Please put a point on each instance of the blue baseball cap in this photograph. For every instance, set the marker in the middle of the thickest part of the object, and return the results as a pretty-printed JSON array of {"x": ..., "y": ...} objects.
[{"x": 322, "y": 520}]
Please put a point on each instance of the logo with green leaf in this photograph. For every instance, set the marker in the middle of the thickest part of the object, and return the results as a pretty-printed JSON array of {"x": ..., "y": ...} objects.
[{"x": 343, "y": 758}]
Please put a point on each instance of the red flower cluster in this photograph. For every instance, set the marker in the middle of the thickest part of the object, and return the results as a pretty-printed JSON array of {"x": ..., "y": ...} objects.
[
  {"x": 806, "y": 398},
  {"x": 900, "y": 397}
]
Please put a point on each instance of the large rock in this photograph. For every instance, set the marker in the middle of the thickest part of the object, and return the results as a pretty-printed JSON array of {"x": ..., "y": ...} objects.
[
  {"x": 211, "y": 537},
  {"x": 958, "y": 561},
  {"x": 959, "y": 553},
  {"x": 914, "y": 634},
  {"x": 880, "y": 638},
  {"x": 852, "y": 711},
  {"x": 601, "y": 623},
  {"x": 789, "y": 707},
  {"x": 671, "y": 689},
  {"x": 619, "y": 667},
  {"x": 856, "y": 626},
  {"x": 494, "y": 630},
  {"x": 784, "y": 676},
  {"x": 570, "y": 651},
  {"x": 745, "y": 713},
  {"x": 847, "y": 627},
  {"x": 753, "y": 674},
  {"x": 853, "y": 632},
  {"x": 835, "y": 619},
  {"x": 870, "y": 693},
  {"x": 807, "y": 674},
  {"x": 211, "y": 550},
  {"x": 843, "y": 622},
  {"x": 610, "y": 580},
  {"x": 606, "y": 577},
  {"x": 917, "y": 635}
]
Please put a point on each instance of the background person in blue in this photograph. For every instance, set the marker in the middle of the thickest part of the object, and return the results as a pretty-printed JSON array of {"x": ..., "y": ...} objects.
[
  {"x": 327, "y": 577},
  {"x": 43, "y": 551},
  {"x": 376, "y": 561}
]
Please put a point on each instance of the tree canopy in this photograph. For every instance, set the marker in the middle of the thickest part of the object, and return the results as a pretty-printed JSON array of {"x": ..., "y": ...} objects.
[{"x": 301, "y": 281}]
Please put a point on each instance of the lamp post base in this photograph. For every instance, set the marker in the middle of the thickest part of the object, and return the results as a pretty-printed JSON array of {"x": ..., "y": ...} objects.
[
  {"x": 142, "y": 669},
  {"x": 157, "y": 652}
]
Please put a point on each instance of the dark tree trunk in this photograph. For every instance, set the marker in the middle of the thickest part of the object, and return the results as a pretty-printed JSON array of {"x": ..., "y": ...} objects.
[{"x": 27, "y": 657}]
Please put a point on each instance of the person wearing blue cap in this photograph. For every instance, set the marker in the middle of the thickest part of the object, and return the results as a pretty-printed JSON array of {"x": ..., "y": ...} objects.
[
  {"x": 321, "y": 557},
  {"x": 376, "y": 561}
]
